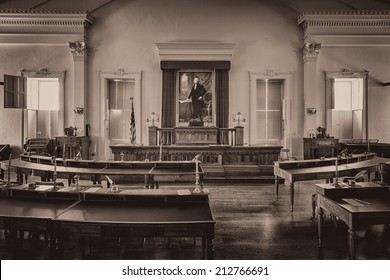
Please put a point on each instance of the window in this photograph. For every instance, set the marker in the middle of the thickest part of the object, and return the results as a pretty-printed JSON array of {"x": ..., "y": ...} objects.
[
  {"x": 119, "y": 104},
  {"x": 270, "y": 109},
  {"x": 43, "y": 105},
  {"x": 347, "y": 112},
  {"x": 14, "y": 92}
]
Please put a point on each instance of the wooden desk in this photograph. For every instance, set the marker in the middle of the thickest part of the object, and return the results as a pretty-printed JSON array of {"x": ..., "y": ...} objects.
[
  {"x": 306, "y": 170},
  {"x": 126, "y": 213},
  {"x": 19, "y": 215},
  {"x": 381, "y": 149},
  {"x": 94, "y": 170},
  {"x": 371, "y": 207},
  {"x": 317, "y": 147},
  {"x": 139, "y": 219}
]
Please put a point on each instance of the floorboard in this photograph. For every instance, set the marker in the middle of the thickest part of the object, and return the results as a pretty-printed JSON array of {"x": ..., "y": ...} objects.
[{"x": 250, "y": 224}]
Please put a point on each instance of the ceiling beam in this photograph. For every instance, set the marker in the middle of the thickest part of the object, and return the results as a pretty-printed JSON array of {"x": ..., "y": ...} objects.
[
  {"x": 347, "y": 5},
  {"x": 40, "y": 4},
  {"x": 101, "y": 6}
]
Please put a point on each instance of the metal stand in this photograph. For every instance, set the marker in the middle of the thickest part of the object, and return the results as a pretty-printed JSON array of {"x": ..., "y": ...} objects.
[
  {"x": 336, "y": 180},
  {"x": 55, "y": 188},
  {"x": 8, "y": 184},
  {"x": 76, "y": 181},
  {"x": 160, "y": 154},
  {"x": 198, "y": 188},
  {"x": 381, "y": 175}
]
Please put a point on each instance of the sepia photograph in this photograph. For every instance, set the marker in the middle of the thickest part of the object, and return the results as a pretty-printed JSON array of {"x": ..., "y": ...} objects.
[{"x": 165, "y": 130}]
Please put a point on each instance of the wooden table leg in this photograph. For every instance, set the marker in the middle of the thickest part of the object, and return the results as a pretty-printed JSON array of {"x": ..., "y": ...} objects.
[
  {"x": 204, "y": 255},
  {"x": 320, "y": 225},
  {"x": 210, "y": 248},
  {"x": 292, "y": 196},
  {"x": 277, "y": 187},
  {"x": 313, "y": 206},
  {"x": 351, "y": 242},
  {"x": 147, "y": 179}
]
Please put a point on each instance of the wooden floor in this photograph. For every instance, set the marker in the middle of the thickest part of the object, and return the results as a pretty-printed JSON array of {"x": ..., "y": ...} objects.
[{"x": 250, "y": 224}]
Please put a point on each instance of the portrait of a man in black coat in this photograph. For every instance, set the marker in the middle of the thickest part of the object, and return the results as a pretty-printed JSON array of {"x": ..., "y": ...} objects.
[{"x": 196, "y": 96}]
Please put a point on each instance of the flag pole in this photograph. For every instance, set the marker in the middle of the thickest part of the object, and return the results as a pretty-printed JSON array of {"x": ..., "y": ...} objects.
[{"x": 132, "y": 131}]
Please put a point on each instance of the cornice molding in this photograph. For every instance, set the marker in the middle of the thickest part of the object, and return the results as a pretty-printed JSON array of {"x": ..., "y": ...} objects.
[
  {"x": 343, "y": 13},
  {"x": 20, "y": 26},
  {"x": 346, "y": 73},
  {"x": 347, "y": 27},
  {"x": 195, "y": 50},
  {"x": 269, "y": 74},
  {"x": 43, "y": 73}
]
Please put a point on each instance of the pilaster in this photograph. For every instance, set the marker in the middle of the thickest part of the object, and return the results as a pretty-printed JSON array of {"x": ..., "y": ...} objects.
[
  {"x": 312, "y": 97},
  {"x": 80, "y": 59}
]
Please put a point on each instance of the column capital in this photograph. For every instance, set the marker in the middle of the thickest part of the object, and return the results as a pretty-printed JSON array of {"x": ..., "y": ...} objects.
[
  {"x": 311, "y": 51},
  {"x": 78, "y": 50}
]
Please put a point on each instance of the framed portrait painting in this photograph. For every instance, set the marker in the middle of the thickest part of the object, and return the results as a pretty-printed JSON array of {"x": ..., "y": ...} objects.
[{"x": 195, "y": 97}]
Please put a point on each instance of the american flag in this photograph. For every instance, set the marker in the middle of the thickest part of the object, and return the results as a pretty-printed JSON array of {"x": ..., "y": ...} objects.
[{"x": 133, "y": 136}]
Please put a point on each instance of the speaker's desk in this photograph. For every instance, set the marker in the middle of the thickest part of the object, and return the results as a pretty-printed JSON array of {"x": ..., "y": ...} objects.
[
  {"x": 315, "y": 169},
  {"x": 358, "y": 206}
]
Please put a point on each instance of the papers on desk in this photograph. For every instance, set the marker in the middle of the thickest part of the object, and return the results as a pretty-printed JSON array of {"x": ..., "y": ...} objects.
[
  {"x": 43, "y": 188},
  {"x": 66, "y": 189},
  {"x": 355, "y": 202},
  {"x": 92, "y": 190},
  {"x": 183, "y": 192}
]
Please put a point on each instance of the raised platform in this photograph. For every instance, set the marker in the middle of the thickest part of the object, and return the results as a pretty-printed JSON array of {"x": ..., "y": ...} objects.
[{"x": 221, "y": 163}]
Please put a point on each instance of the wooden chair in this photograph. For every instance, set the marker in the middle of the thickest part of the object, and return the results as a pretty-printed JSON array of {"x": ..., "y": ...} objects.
[{"x": 285, "y": 155}]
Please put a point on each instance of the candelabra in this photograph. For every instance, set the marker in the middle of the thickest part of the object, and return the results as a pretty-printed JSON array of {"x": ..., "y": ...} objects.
[
  {"x": 160, "y": 153},
  {"x": 198, "y": 187},
  {"x": 239, "y": 119},
  {"x": 55, "y": 188},
  {"x": 381, "y": 175},
  {"x": 76, "y": 181},
  {"x": 153, "y": 119},
  {"x": 336, "y": 183},
  {"x": 8, "y": 183}
]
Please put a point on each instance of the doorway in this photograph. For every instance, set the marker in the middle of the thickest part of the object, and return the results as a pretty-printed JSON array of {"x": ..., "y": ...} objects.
[{"x": 43, "y": 95}]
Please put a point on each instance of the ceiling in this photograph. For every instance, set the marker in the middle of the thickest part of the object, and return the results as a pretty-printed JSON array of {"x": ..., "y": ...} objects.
[{"x": 297, "y": 6}]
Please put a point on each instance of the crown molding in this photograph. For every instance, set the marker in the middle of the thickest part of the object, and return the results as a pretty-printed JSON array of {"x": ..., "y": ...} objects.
[
  {"x": 349, "y": 28},
  {"x": 195, "y": 51},
  {"x": 18, "y": 26}
]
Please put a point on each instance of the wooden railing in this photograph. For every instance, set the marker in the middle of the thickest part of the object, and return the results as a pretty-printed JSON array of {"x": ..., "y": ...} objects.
[
  {"x": 214, "y": 155},
  {"x": 196, "y": 135}
]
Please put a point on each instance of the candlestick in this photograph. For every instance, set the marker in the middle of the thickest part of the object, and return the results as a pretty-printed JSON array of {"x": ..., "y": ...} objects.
[
  {"x": 55, "y": 188},
  {"x": 197, "y": 177},
  {"x": 336, "y": 182},
  {"x": 9, "y": 173},
  {"x": 161, "y": 142}
]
